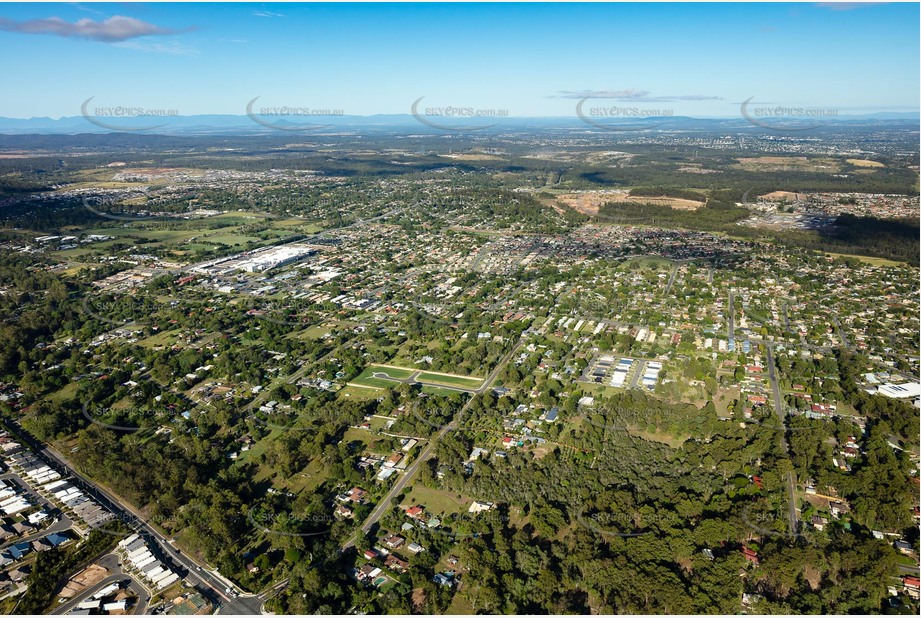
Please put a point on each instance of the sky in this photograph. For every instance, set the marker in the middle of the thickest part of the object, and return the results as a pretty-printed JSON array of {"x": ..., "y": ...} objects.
[{"x": 522, "y": 59}]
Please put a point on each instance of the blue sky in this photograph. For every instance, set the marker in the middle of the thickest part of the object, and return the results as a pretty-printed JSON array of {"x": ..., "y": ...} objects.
[{"x": 532, "y": 60}]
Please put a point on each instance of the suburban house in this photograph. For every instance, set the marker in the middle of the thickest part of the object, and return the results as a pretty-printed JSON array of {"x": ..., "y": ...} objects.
[
  {"x": 912, "y": 586},
  {"x": 479, "y": 507},
  {"x": 393, "y": 460},
  {"x": 415, "y": 548},
  {"x": 394, "y": 541},
  {"x": 367, "y": 573},
  {"x": 395, "y": 563},
  {"x": 355, "y": 494},
  {"x": 819, "y": 522}
]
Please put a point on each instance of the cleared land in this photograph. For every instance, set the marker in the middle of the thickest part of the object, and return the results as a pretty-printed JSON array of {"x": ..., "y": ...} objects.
[
  {"x": 450, "y": 380},
  {"x": 785, "y": 196},
  {"x": 865, "y": 163},
  {"x": 787, "y": 164},
  {"x": 472, "y": 157},
  {"x": 436, "y": 501},
  {"x": 873, "y": 261},
  {"x": 590, "y": 202}
]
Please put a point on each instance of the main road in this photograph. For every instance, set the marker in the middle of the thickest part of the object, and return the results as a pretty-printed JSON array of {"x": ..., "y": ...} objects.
[
  {"x": 212, "y": 585},
  {"x": 781, "y": 414},
  {"x": 671, "y": 279},
  {"x": 732, "y": 317}
]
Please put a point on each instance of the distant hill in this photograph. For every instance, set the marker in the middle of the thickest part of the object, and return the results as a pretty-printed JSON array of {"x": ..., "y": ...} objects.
[{"x": 405, "y": 123}]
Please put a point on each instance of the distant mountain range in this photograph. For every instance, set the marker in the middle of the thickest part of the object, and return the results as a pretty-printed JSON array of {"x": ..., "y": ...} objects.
[{"x": 235, "y": 124}]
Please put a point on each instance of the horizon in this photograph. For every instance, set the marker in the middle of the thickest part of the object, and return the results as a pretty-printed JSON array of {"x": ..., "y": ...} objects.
[{"x": 896, "y": 115}]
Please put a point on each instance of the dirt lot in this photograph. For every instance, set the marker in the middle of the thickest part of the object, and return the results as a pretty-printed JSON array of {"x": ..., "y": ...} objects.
[
  {"x": 86, "y": 578},
  {"x": 474, "y": 156},
  {"x": 865, "y": 163},
  {"x": 588, "y": 202},
  {"x": 418, "y": 599},
  {"x": 156, "y": 171},
  {"x": 783, "y": 196},
  {"x": 784, "y": 164}
]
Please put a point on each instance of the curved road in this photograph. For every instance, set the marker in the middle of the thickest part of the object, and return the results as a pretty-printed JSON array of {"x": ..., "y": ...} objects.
[{"x": 143, "y": 596}]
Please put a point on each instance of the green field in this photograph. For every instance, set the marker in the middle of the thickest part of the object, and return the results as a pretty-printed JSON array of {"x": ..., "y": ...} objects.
[
  {"x": 724, "y": 398},
  {"x": 400, "y": 374},
  {"x": 179, "y": 239},
  {"x": 312, "y": 332},
  {"x": 238, "y": 217},
  {"x": 646, "y": 262},
  {"x": 436, "y": 390},
  {"x": 87, "y": 249},
  {"x": 361, "y": 394},
  {"x": 378, "y": 423},
  {"x": 68, "y": 391},
  {"x": 258, "y": 448},
  {"x": 231, "y": 239},
  {"x": 367, "y": 438},
  {"x": 599, "y": 389},
  {"x": 367, "y": 378},
  {"x": 436, "y": 501},
  {"x": 165, "y": 338},
  {"x": 450, "y": 380},
  {"x": 378, "y": 383}
]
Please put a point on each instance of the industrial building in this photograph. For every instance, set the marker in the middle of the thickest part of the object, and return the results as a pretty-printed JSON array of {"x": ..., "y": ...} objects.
[{"x": 274, "y": 257}]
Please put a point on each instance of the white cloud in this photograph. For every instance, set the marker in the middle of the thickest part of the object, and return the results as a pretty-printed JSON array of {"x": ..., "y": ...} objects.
[
  {"x": 169, "y": 47},
  {"x": 632, "y": 95},
  {"x": 111, "y": 30}
]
